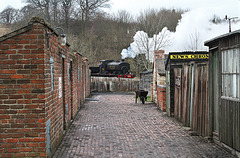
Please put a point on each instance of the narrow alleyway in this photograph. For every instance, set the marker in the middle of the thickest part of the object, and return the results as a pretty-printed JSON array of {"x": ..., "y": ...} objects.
[{"x": 112, "y": 125}]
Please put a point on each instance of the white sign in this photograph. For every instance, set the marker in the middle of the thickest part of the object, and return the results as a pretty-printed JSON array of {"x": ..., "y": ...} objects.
[{"x": 60, "y": 87}]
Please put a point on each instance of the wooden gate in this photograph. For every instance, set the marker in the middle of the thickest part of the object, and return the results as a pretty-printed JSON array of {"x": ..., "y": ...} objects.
[
  {"x": 191, "y": 97},
  {"x": 200, "y": 110}
]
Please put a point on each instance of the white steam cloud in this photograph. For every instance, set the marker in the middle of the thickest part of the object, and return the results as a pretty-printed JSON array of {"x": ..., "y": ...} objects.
[{"x": 194, "y": 28}]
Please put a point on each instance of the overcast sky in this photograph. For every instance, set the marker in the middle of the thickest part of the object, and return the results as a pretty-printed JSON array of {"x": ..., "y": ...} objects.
[{"x": 135, "y": 6}]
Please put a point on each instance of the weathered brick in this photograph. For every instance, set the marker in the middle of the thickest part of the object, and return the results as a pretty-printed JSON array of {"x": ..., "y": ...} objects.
[
  {"x": 12, "y": 140},
  {"x": 9, "y": 81},
  {"x": 10, "y": 102},
  {"x": 9, "y": 111},
  {"x": 4, "y": 121},
  {"x": 24, "y": 130},
  {"x": 23, "y": 41},
  {"x": 17, "y": 125},
  {"x": 17, "y": 135},
  {"x": 30, "y": 36},
  {"x": 16, "y": 46},
  {"x": 23, "y": 62},
  {"x": 12, "y": 150},
  {"x": 31, "y": 135},
  {"x": 9, "y": 71},
  {"x": 16, "y": 106},
  {"x": 10, "y": 51},
  {"x": 32, "y": 154},
  {"x": 2, "y": 57},
  {"x": 32, "y": 144},
  {"x": 37, "y": 81},
  {"x": 39, "y": 130},
  {"x": 3, "y": 77},
  {"x": 32, "y": 106},
  {"x": 5, "y": 155},
  {"x": 39, "y": 139},
  {"x": 26, "y": 149},
  {"x": 16, "y": 76},
  {"x": 32, "y": 116},
  {"x": 3, "y": 96},
  {"x": 38, "y": 91},
  {"x": 30, "y": 66},
  {"x": 26, "y": 101},
  {"x": 42, "y": 154},
  {"x": 37, "y": 61},
  {"x": 23, "y": 81},
  {"x": 20, "y": 155},
  {"x": 30, "y": 96},
  {"x": 9, "y": 62},
  {"x": 41, "y": 96},
  {"x": 38, "y": 101},
  {"x": 24, "y": 91},
  {"x": 16, "y": 56},
  {"x": 37, "y": 71},
  {"x": 24, "y": 86},
  {"x": 33, "y": 125},
  {"x": 5, "y": 136},
  {"x": 25, "y": 140},
  {"x": 25, "y": 112},
  {"x": 24, "y": 51},
  {"x": 37, "y": 51},
  {"x": 17, "y": 116},
  {"x": 20, "y": 145},
  {"x": 9, "y": 91},
  {"x": 16, "y": 66},
  {"x": 41, "y": 56},
  {"x": 4, "y": 47},
  {"x": 30, "y": 47},
  {"x": 9, "y": 41}
]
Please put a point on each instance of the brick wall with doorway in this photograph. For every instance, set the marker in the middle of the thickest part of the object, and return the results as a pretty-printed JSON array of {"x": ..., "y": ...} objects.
[{"x": 40, "y": 90}]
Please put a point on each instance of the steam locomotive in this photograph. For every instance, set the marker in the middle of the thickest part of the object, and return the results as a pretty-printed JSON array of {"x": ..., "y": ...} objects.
[{"x": 111, "y": 68}]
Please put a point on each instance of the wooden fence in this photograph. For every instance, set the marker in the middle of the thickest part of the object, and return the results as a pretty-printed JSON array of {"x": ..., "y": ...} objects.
[
  {"x": 113, "y": 84},
  {"x": 230, "y": 123},
  {"x": 191, "y": 97}
]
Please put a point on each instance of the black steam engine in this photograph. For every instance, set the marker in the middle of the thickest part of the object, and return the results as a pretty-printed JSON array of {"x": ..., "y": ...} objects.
[{"x": 111, "y": 68}]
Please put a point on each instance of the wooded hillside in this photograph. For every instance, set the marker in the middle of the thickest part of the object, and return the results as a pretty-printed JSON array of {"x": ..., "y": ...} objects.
[{"x": 95, "y": 33}]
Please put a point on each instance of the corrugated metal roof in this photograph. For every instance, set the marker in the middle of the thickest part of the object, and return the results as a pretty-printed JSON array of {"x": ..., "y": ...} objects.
[{"x": 206, "y": 43}]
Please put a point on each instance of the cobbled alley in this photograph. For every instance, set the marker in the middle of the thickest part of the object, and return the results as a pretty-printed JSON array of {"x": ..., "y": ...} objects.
[{"x": 112, "y": 125}]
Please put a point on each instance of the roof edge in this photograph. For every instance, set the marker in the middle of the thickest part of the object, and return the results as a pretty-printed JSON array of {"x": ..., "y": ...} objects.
[
  {"x": 208, "y": 42},
  {"x": 39, "y": 20},
  {"x": 15, "y": 33}
]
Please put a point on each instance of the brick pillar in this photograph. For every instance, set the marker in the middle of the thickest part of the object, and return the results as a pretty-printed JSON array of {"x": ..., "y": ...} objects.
[
  {"x": 161, "y": 97},
  {"x": 158, "y": 54}
]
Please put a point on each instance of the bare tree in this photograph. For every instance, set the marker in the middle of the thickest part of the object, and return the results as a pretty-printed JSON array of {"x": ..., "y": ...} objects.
[
  {"x": 42, "y": 5},
  {"x": 151, "y": 22},
  {"x": 90, "y": 7},
  {"x": 195, "y": 43},
  {"x": 122, "y": 16},
  {"x": 67, "y": 12},
  {"x": 147, "y": 45},
  {"x": 8, "y": 15},
  {"x": 55, "y": 10}
]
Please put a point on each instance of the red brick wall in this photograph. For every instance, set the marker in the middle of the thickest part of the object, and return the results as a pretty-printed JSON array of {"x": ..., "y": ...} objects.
[
  {"x": 22, "y": 93},
  {"x": 161, "y": 97},
  {"x": 27, "y": 101}
]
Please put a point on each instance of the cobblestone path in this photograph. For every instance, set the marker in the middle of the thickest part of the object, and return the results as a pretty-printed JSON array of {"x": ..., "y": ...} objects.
[{"x": 114, "y": 126}]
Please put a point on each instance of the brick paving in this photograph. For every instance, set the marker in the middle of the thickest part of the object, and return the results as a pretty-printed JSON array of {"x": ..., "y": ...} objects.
[{"x": 114, "y": 126}]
